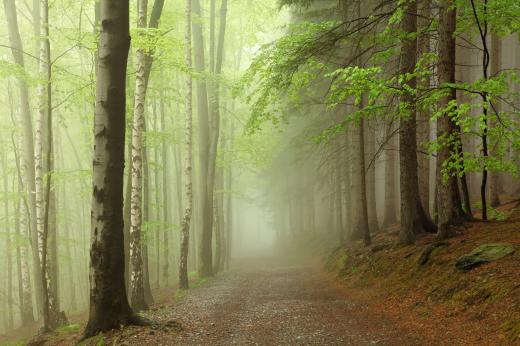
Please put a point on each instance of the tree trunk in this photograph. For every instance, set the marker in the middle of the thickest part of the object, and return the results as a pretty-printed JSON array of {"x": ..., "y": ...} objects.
[
  {"x": 338, "y": 199},
  {"x": 28, "y": 145},
  {"x": 370, "y": 138},
  {"x": 109, "y": 306},
  {"x": 229, "y": 199},
  {"x": 449, "y": 206},
  {"x": 185, "y": 229},
  {"x": 216, "y": 69},
  {"x": 136, "y": 219},
  {"x": 166, "y": 196},
  {"x": 390, "y": 216},
  {"x": 365, "y": 231},
  {"x": 44, "y": 165},
  {"x": 24, "y": 279},
  {"x": 8, "y": 253},
  {"x": 157, "y": 201},
  {"x": 413, "y": 217},
  {"x": 496, "y": 63},
  {"x": 146, "y": 218},
  {"x": 206, "y": 235},
  {"x": 423, "y": 114}
]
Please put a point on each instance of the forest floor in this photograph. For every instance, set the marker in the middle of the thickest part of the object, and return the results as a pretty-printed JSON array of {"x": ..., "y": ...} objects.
[
  {"x": 368, "y": 296},
  {"x": 442, "y": 304},
  {"x": 262, "y": 302}
]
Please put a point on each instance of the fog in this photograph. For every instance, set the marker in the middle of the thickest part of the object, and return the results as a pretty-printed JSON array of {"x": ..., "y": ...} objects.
[{"x": 252, "y": 130}]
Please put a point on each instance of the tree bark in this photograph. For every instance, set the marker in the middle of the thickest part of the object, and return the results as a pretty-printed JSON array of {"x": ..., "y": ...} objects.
[
  {"x": 146, "y": 218},
  {"x": 390, "y": 215},
  {"x": 8, "y": 253},
  {"x": 413, "y": 218},
  {"x": 24, "y": 280},
  {"x": 495, "y": 66},
  {"x": 166, "y": 197},
  {"x": 44, "y": 166},
  {"x": 109, "y": 306},
  {"x": 370, "y": 170},
  {"x": 28, "y": 146},
  {"x": 446, "y": 184},
  {"x": 185, "y": 229},
  {"x": 206, "y": 235},
  {"x": 136, "y": 277},
  {"x": 423, "y": 114},
  {"x": 364, "y": 208}
]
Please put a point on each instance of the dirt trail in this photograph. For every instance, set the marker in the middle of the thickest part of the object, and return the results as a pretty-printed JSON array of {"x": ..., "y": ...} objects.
[{"x": 272, "y": 305}]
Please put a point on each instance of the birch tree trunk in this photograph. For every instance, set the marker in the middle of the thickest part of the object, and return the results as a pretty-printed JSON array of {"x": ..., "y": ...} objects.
[
  {"x": 146, "y": 217},
  {"x": 136, "y": 199},
  {"x": 28, "y": 145},
  {"x": 24, "y": 280},
  {"x": 185, "y": 228}
]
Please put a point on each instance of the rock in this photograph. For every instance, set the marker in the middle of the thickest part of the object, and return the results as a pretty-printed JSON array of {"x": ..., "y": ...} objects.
[
  {"x": 427, "y": 251},
  {"x": 483, "y": 254}
]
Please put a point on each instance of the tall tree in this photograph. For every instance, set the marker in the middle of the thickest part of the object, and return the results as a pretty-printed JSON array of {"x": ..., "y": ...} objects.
[
  {"x": 24, "y": 280},
  {"x": 364, "y": 208},
  {"x": 423, "y": 114},
  {"x": 370, "y": 157},
  {"x": 390, "y": 195},
  {"x": 216, "y": 61},
  {"x": 496, "y": 65},
  {"x": 8, "y": 253},
  {"x": 136, "y": 277},
  {"x": 28, "y": 144},
  {"x": 44, "y": 166},
  {"x": 449, "y": 206},
  {"x": 167, "y": 221},
  {"x": 109, "y": 307},
  {"x": 185, "y": 227},
  {"x": 413, "y": 218},
  {"x": 206, "y": 220}
]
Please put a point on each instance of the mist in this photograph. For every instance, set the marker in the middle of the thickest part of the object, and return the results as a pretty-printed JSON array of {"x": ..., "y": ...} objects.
[{"x": 243, "y": 172}]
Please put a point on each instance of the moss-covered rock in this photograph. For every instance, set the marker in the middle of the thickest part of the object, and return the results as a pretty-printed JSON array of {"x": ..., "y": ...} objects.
[{"x": 483, "y": 254}]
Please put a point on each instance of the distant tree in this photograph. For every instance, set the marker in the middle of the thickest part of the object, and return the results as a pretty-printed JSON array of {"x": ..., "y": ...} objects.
[
  {"x": 495, "y": 68},
  {"x": 28, "y": 145},
  {"x": 206, "y": 214}
]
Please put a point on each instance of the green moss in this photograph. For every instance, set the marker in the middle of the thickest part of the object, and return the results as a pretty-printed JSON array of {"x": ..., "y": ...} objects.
[
  {"x": 343, "y": 260},
  {"x": 98, "y": 340},
  {"x": 70, "y": 328}
]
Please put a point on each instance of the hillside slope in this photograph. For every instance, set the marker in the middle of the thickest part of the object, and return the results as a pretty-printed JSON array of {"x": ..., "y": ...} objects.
[{"x": 480, "y": 306}]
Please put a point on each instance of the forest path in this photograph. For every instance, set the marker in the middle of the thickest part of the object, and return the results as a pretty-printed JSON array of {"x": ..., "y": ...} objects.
[{"x": 274, "y": 305}]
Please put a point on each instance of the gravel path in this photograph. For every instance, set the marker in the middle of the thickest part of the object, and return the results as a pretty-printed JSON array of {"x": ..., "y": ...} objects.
[{"x": 292, "y": 305}]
